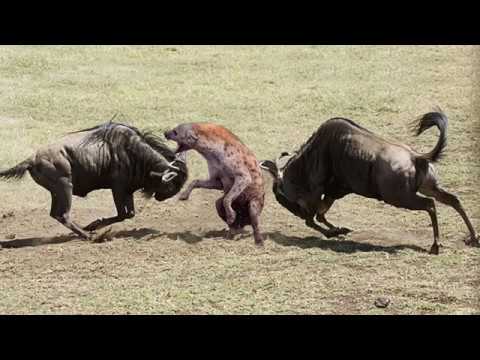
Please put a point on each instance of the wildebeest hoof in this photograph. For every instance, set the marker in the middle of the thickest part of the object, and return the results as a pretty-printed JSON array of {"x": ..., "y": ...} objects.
[
  {"x": 93, "y": 226},
  {"x": 343, "y": 231},
  {"x": 472, "y": 242},
  {"x": 333, "y": 232},
  {"x": 434, "y": 250}
]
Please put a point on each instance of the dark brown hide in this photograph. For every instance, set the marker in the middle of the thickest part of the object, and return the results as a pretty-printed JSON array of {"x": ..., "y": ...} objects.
[
  {"x": 342, "y": 158},
  {"x": 109, "y": 156}
]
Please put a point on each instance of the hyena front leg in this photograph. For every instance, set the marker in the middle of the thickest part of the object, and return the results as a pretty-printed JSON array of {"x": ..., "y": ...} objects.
[
  {"x": 239, "y": 185},
  {"x": 212, "y": 183}
]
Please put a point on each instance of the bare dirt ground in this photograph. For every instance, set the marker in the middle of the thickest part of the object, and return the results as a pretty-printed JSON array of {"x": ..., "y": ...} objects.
[{"x": 172, "y": 257}]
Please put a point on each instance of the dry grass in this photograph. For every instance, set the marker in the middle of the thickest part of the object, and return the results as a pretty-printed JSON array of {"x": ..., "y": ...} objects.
[{"x": 172, "y": 258}]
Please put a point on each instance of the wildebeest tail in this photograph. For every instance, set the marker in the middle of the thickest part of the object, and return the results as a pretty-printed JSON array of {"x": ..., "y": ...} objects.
[
  {"x": 17, "y": 172},
  {"x": 438, "y": 119}
]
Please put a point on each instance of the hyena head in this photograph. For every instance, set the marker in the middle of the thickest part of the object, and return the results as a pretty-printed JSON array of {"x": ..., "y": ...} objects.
[{"x": 184, "y": 135}]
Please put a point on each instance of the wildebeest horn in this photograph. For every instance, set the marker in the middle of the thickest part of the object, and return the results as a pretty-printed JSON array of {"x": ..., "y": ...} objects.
[
  {"x": 169, "y": 176},
  {"x": 166, "y": 176},
  {"x": 270, "y": 166},
  {"x": 173, "y": 167}
]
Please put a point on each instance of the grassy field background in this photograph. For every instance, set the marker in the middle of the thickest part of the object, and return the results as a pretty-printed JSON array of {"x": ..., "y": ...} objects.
[{"x": 172, "y": 257}]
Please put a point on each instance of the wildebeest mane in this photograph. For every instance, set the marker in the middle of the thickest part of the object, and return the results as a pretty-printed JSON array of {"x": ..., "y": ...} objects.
[{"x": 108, "y": 133}]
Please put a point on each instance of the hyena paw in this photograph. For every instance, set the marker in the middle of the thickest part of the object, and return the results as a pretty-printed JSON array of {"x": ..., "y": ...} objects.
[
  {"x": 184, "y": 196},
  {"x": 231, "y": 215}
]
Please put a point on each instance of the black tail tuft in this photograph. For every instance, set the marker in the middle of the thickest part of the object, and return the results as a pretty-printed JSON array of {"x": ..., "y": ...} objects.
[
  {"x": 440, "y": 120},
  {"x": 17, "y": 172}
]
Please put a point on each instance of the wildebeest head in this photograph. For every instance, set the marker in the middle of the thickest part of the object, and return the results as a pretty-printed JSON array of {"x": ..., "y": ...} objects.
[
  {"x": 184, "y": 135},
  {"x": 280, "y": 186},
  {"x": 166, "y": 179}
]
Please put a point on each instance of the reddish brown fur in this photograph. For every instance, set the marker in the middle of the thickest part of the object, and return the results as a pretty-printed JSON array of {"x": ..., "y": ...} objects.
[{"x": 233, "y": 168}]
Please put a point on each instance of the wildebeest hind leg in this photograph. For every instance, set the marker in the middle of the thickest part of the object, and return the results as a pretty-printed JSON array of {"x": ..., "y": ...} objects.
[
  {"x": 61, "y": 206},
  {"x": 323, "y": 207},
  {"x": 451, "y": 200},
  {"x": 416, "y": 202},
  {"x": 125, "y": 210}
]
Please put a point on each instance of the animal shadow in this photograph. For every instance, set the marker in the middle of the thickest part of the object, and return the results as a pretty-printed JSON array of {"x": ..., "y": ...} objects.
[
  {"x": 190, "y": 238},
  {"x": 337, "y": 244},
  {"x": 137, "y": 234},
  {"x": 38, "y": 241}
]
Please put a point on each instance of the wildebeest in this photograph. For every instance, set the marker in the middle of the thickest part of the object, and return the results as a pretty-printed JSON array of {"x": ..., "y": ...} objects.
[
  {"x": 342, "y": 157},
  {"x": 232, "y": 168},
  {"x": 109, "y": 156}
]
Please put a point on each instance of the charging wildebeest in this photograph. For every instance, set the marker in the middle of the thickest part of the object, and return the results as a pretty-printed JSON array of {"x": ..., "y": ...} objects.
[
  {"x": 109, "y": 156},
  {"x": 342, "y": 157}
]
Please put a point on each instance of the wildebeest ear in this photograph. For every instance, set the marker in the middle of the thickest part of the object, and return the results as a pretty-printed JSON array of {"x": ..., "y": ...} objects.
[
  {"x": 181, "y": 156},
  {"x": 270, "y": 166}
]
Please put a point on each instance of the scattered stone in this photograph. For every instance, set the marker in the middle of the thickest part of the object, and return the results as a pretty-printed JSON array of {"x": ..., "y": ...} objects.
[
  {"x": 8, "y": 215},
  {"x": 382, "y": 302},
  {"x": 10, "y": 236}
]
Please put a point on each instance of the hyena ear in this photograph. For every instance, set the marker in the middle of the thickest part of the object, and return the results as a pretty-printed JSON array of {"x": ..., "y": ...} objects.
[
  {"x": 192, "y": 138},
  {"x": 271, "y": 167}
]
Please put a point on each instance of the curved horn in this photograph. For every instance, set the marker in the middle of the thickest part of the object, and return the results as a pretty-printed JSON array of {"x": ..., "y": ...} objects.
[
  {"x": 155, "y": 174},
  {"x": 271, "y": 167},
  {"x": 173, "y": 167},
  {"x": 169, "y": 176},
  {"x": 166, "y": 176}
]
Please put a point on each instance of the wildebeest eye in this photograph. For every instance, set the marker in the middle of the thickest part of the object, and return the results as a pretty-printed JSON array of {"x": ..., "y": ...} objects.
[{"x": 284, "y": 154}]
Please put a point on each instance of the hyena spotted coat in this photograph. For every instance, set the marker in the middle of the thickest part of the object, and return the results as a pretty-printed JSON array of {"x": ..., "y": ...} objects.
[{"x": 232, "y": 168}]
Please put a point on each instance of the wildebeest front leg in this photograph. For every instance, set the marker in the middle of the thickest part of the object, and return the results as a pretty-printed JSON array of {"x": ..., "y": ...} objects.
[
  {"x": 239, "y": 185},
  {"x": 326, "y": 232},
  {"x": 323, "y": 207},
  {"x": 125, "y": 210},
  {"x": 212, "y": 183},
  {"x": 62, "y": 204}
]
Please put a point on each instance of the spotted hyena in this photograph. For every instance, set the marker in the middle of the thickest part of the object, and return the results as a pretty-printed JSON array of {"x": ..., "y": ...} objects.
[{"x": 232, "y": 167}]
